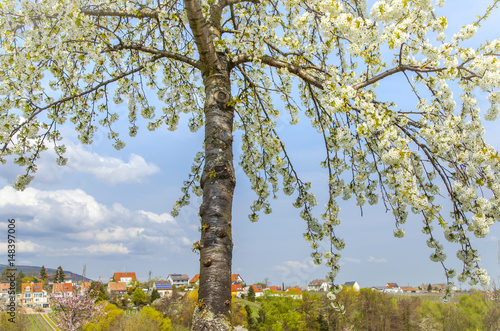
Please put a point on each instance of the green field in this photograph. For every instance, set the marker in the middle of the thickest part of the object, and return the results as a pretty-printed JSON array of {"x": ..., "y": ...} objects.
[{"x": 39, "y": 322}]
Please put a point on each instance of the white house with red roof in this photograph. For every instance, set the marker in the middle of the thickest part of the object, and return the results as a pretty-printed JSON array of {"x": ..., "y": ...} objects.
[
  {"x": 236, "y": 279},
  {"x": 393, "y": 288},
  {"x": 274, "y": 290},
  {"x": 4, "y": 289},
  {"x": 195, "y": 281},
  {"x": 62, "y": 289},
  {"x": 236, "y": 290},
  {"x": 125, "y": 277},
  {"x": 294, "y": 292},
  {"x": 258, "y": 289},
  {"x": 33, "y": 296}
]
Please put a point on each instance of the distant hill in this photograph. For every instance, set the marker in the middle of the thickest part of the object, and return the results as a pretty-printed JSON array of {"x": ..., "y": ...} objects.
[{"x": 26, "y": 269}]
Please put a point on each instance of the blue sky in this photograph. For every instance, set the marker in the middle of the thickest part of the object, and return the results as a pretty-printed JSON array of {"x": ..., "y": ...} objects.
[{"x": 109, "y": 209}]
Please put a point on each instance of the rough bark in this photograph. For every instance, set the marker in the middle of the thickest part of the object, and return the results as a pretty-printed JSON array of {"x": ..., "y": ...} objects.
[
  {"x": 212, "y": 311},
  {"x": 218, "y": 182}
]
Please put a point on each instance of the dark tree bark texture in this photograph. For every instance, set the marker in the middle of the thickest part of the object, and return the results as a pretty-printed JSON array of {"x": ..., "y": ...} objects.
[
  {"x": 212, "y": 311},
  {"x": 218, "y": 182}
]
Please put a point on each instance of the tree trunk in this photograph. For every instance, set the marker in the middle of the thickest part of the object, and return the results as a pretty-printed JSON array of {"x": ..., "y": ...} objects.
[{"x": 212, "y": 311}]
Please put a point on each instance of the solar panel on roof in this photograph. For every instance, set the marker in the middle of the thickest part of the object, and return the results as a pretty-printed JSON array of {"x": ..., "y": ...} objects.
[{"x": 163, "y": 286}]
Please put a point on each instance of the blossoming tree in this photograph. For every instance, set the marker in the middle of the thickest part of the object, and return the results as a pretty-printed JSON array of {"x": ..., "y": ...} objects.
[
  {"x": 225, "y": 63},
  {"x": 74, "y": 311},
  {"x": 77, "y": 308}
]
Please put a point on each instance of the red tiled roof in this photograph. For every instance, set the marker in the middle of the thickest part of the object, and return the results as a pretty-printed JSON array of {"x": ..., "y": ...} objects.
[
  {"x": 275, "y": 289},
  {"x": 65, "y": 287},
  {"x": 119, "y": 275},
  {"x": 117, "y": 286},
  {"x": 236, "y": 288},
  {"x": 257, "y": 288},
  {"x": 391, "y": 285},
  {"x": 408, "y": 288},
  {"x": 195, "y": 278},
  {"x": 33, "y": 287},
  {"x": 294, "y": 290}
]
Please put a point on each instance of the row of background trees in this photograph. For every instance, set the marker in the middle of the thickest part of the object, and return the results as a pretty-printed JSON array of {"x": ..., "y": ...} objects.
[{"x": 365, "y": 310}]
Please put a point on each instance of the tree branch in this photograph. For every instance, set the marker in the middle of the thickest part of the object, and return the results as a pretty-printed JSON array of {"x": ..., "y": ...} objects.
[
  {"x": 72, "y": 97},
  {"x": 294, "y": 69},
  {"x": 392, "y": 72},
  {"x": 201, "y": 33},
  {"x": 119, "y": 13},
  {"x": 226, "y": 3},
  {"x": 159, "y": 53}
]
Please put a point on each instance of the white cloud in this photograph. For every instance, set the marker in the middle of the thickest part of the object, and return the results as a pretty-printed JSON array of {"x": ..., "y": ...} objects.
[
  {"x": 295, "y": 266},
  {"x": 298, "y": 264},
  {"x": 376, "y": 260},
  {"x": 71, "y": 222},
  {"x": 185, "y": 241},
  {"x": 297, "y": 272},
  {"x": 23, "y": 246},
  {"x": 492, "y": 238},
  {"x": 60, "y": 210},
  {"x": 109, "y": 169},
  {"x": 100, "y": 249},
  {"x": 107, "y": 249},
  {"x": 109, "y": 234},
  {"x": 349, "y": 259},
  {"x": 155, "y": 218}
]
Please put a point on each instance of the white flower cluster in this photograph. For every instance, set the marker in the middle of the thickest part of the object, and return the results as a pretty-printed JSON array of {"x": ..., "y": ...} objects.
[
  {"x": 399, "y": 233},
  {"x": 466, "y": 32},
  {"x": 448, "y": 292}
]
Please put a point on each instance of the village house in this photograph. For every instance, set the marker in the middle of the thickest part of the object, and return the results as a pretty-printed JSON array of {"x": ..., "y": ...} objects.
[
  {"x": 236, "y": 279},
  {"x": 294, "y": 292},
  {"x": 195, "y": 281},
  {"x": 178, "y": 280},
  {"x": 117, "y": 288},
  {"x": 258, "y": 290},
  {"x": 33, "y": 296},
  {"x": 352, "y": 285},
  {"x": 274, "y": 290},
  {"x": 163, "y": 287},
  {"x": 379, "y": 288},
  {"x": 392, "y": 285},
  {"x": 440, "y": 287},
  {"x": 408, "y": 289},
  {"x": 125, "y": 277},
  {"x": 236, "y": 290},
  {"x": 318, "y": 285},
  {"x": 4, "y": 289},
  {"x": 62, "y": 290},
  {"x": 393, "y": 288}
]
